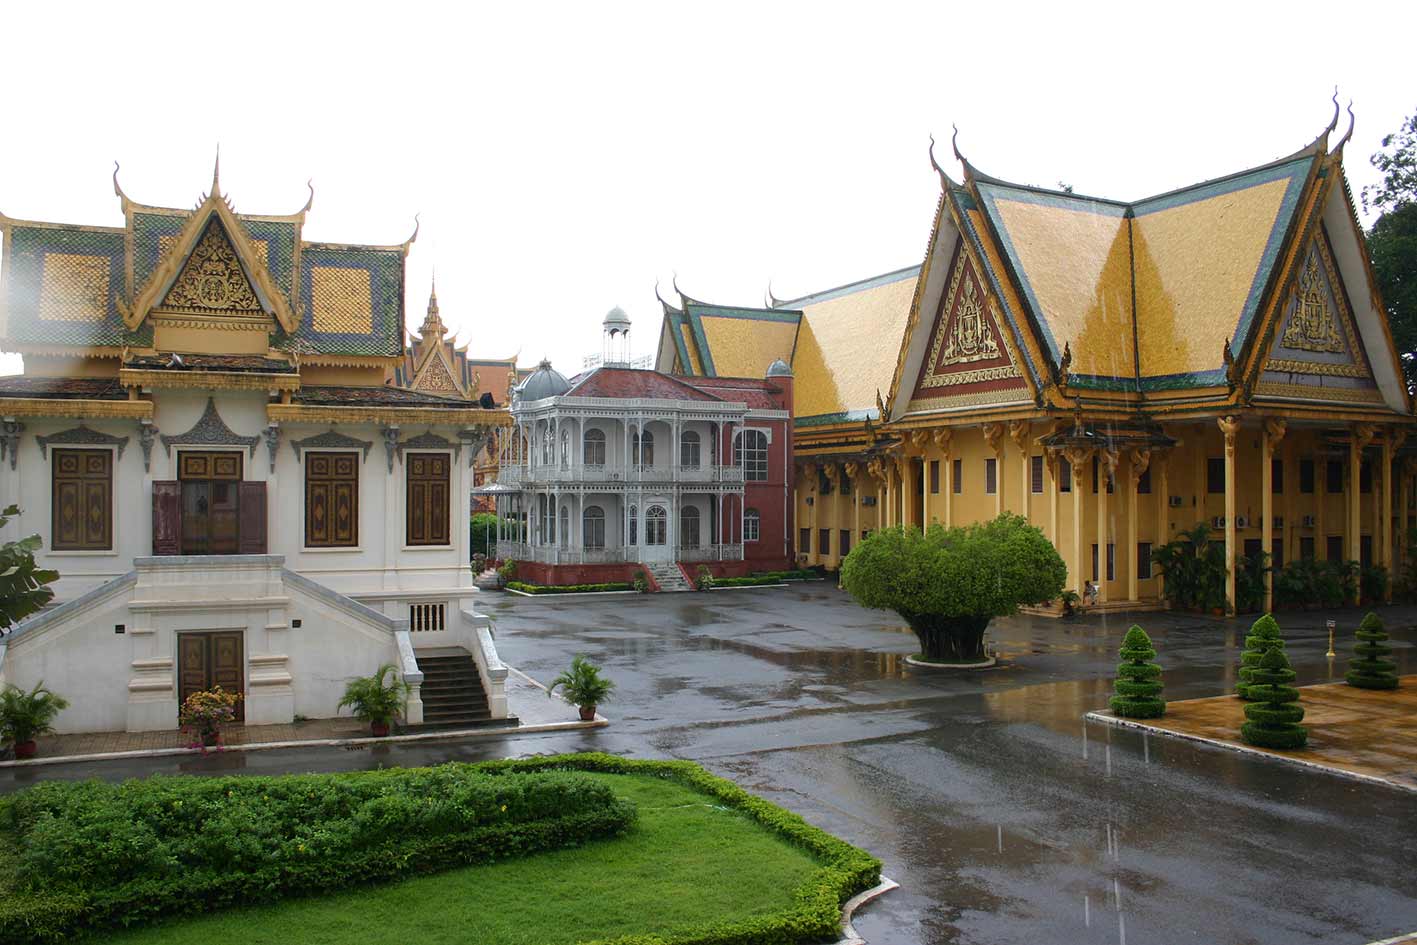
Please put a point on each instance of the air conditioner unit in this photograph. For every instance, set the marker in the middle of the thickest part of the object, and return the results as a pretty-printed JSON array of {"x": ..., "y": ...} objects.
[
  {"x": 868, "y": 500},
  {"x": 1174, "y": 502},
  {"x": 1241, "y": 521},
  {"x": 1308, "y": 521},
  {"x": 1279, "y": 521},
  {"x": 810, "y": 500},
  {"x": 1218, "y": 522}
]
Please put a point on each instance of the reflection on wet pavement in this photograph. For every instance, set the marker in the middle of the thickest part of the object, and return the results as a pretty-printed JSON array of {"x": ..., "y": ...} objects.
[{"x": 1004, "y": 817}]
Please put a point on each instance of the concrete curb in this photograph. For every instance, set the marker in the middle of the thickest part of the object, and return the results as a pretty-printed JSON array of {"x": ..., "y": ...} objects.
[
  {"x": 848, "y": 931},
  {"x": 512, "y": 590},
  {"x": 922, "y": 664},
  {"x": 362, "y": 742},
  {"x": 1107, "y": 718}
]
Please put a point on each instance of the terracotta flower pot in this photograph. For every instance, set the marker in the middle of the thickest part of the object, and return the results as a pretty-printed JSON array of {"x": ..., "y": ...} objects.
[
  {"x": 587, "y": 713},
  {"x": 380, "y": 729},
  {"x": 25, "y": 749}
]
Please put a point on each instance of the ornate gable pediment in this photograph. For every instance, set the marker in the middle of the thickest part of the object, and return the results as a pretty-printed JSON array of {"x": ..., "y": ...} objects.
[
  {"x": 1316, "y": 349},
  {"x": 969, "y": 357},
  {"x": 210, "y": 430},
  {"x": 436, "y": 377},
  {"x": 212, "y": 281}
]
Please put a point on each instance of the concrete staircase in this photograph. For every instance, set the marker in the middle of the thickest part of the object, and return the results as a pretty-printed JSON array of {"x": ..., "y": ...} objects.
[
  {"x": 669, "y": 577},
  {"x": 452, "y": 689}
]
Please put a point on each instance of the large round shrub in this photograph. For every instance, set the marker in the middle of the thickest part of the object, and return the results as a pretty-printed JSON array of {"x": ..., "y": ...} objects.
[
  {"x": 1372, "y": 669},
  {"x": 948, "y": 583}
]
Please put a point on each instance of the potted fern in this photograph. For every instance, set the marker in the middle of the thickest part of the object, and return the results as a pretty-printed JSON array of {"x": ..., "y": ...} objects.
[
  {"x": 26, "y": 715},
  {"x": 583, "y": 685},
  {"x": 377, "y": 699}
]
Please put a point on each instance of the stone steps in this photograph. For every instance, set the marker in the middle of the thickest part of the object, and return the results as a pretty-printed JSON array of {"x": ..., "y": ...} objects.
[{"x": 452, "y": 690}]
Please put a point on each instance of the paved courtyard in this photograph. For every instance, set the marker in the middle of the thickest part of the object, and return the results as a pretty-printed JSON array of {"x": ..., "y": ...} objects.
[{"x": 1004, "y": 816}]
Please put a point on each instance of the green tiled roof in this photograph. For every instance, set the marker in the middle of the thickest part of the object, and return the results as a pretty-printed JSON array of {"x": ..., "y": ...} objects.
[
  {"x": 84, "y": 284},
  {"x": 333, "y": 323}
]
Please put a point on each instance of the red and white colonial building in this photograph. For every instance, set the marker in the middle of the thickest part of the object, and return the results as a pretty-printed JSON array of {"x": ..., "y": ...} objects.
[{"x": 619, "y": 470}]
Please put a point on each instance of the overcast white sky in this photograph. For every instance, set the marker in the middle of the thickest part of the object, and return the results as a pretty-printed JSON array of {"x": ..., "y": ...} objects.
[{"x": 564, "y": 157}]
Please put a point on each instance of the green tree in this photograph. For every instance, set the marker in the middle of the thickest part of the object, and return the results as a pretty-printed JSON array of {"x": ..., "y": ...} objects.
[
  {"x": 23, "y": 587},
  {"x": 1272, "y": 719},
  {"x": 949, "y": 583},
  {"x": 1392, "y": 242},
  {"x": 1264, "y": 637},
  {"x": 1372, "y": 670},
  {"x": 1138, "y": 682}
]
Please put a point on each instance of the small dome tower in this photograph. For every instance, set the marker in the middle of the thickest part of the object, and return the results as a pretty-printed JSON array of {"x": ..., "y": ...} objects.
[{"x": 616, "y": 349}]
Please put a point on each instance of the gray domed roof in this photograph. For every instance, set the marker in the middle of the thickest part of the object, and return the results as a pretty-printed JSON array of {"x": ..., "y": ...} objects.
[
  {"x": 616, "y": 318},
  {"x": 545, "y": 381},
  {"x": 779, "y": 368}
]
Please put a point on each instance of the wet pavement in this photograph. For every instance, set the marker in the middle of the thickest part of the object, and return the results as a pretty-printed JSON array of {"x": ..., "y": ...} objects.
[{"x": 1002, "y": 814}]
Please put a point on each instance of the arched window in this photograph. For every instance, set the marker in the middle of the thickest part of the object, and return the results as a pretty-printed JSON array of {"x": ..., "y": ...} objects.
[
  {"x": 593, "y": 527},
  {"x": 752, "y": 525},
  {"x": 643, "y": 447},
  {"x": 689, "y": 527},
  {"x": 750, "y": 450},
  {"x": 565, "y": 526},
  {"x": 594, "y": 447},
  {"x": 565, "y": 449},
  {"x": 656, "y": 526},
  {"x": 688, "y": 448},
  {"x": 634, "y": 526}
]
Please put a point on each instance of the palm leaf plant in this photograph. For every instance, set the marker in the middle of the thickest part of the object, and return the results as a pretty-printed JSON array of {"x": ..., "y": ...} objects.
[
  {"x": 377, "y": 699},
  {"x": 583, "y": 686},
  {"x": 26, "y": 715},
  {"x": 23, "y": 589}
]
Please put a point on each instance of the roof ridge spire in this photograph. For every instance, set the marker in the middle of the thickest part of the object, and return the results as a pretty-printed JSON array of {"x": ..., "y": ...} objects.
[{"x": 216, "y": 173}]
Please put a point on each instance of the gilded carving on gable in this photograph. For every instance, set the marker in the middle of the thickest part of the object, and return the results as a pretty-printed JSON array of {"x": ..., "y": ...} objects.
[
  {"x": 966, "y": 334},
  {"x": 212, "y": 279},
  {"x": 437, "y": 379},
  {"x": 1313, "y": 325}
]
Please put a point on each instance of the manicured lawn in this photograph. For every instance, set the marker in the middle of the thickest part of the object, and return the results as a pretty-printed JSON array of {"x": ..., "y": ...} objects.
[{"x": 688, "y": 862}]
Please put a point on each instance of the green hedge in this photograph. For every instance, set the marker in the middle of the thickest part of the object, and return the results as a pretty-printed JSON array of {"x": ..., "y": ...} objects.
[
  {"x": 746, "y": 581},
  {"x": 801, "y": 574},
  {"x": 90, "y": 855},
  {"x": 815, "y": 914},
  {"x": 568, "y": 588}
]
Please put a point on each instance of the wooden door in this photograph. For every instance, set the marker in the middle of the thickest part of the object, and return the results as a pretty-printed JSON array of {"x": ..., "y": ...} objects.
[
  {"x": 205, "y": 660},
  {"x": 210, "y": 502}
]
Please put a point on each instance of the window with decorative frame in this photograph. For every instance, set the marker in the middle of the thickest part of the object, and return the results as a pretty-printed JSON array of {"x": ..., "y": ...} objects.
[
  {"x": 752, "y": 524},
  {"x": 656, "y": 526},
  {"x": 564, "y": 526},
  {"x": 428, "y": 492},
  {"x": 594, "y": 447},
  {"x": 689, "y": 527},
  {"x": 689, "y": 448},
  {"x": 593, "y": 528},
  {"x": 331, "y": 500},
  {"x": 750, "y": 451},
  {"x": 634, "y": 525},
  {"x": 82, "y": 500}
]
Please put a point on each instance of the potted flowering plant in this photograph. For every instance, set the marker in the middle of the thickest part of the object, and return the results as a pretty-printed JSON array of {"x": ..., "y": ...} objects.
[
  {"x": 206, "y": 711},
  {"x": 377, "y": 699},
  {"x": 583, "y": 686},
  {"x": 24, "y": 715}
]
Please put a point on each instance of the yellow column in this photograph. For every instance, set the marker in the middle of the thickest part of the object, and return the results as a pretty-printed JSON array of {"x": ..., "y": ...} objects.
[
  {"x": 853, "y": 472},
  {"x": 907, "y": 490},
  {"x": 1273, "y": 432},
  {"x": 1290, "y": 535},
  {"x": 1362, "y": 435},
  {"x": 1229, "y": 426},
  {"x": 815, "y": 556},
  {"x": 1106, "y": 471},
  {"x": 1018, "y": 432},
  {"x": 1078, "y": 458},
  {"x": 833, "y": 472},
  {"x": 1321, "y": 499},
  {"x": 1050, "y": 482},
  {"x": 1391, "y": 443},
  {"x": 1404, "y": 485},
  {"x": 943, "y": 438},
  {"x": 993, "y": 434},
  {"x": 888, "y": 474},
  {"x": 1140, "y": 459},
  {"x": 1163, "y": 506},
  {"x": 876, "y": 469}
]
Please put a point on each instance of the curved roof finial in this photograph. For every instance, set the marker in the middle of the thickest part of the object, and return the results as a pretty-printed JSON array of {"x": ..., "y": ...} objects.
[
  {"x": 668, "y": 307},
  {"x": 954, "y": 143},
  {"x": 310, "y": 202},
  {"x": 934, "y": 163},
  {"x": 1333, "y": 123},
  {"x": 117, "y": 188},
  {"x": 417, "y": 225},
  {"x": 773, "y": 301},
  {"x": 216, "y": 173},
  {"x": 1349, "y": 133},
  {"x": 686, "y": 299}
]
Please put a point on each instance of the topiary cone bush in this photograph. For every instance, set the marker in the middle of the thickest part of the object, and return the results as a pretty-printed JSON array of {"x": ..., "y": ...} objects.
[
  {"x": 1263, "y": 637},
  {"x": 1138, "y": 679},
  {"x": 1370, "y": 670},
  {"x": 1274, "y": 712}
]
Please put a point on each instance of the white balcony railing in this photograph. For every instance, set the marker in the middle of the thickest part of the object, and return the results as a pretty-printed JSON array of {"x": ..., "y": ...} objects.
[
  {"x": 512, "y": 474},
  {"x": 615, "y": 554}
]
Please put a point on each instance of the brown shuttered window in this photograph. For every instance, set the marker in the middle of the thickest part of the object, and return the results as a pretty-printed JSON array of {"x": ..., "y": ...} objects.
[
  {"x": 1035, "y": 475},
  {"x": 428, "y": 494},
  {"x": 83, "y": 500},
  {"x": 331, "y": 500}
]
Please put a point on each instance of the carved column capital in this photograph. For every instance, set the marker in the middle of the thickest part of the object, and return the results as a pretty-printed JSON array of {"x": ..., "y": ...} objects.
[
  {"x": 1018, "y": 432},
  {"x": 1274, "y": 430},
  {"x": 1363, "y": 434},
  {"x": 1229, "y": 426},
  {"x": 919, "y": 439},
  {"x": 1138, "y": 461},
  {"x": 1396, "y": 437},
  {"x": 942, "y": 437},
  {"x": 993, "y": 433}
]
